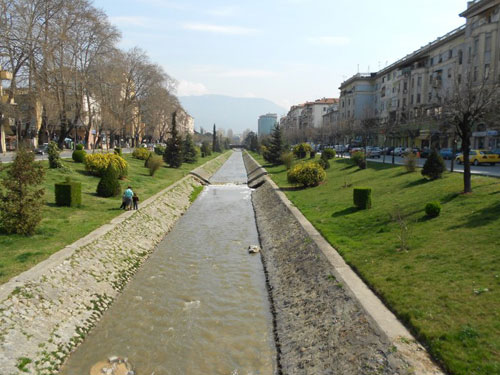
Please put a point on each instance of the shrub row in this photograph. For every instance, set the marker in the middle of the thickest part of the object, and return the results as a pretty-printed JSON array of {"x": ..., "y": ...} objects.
[
  {"x": 141, "y": 153},
  {"x": 96, "y": 164},
  {"x": 306, "y": 174}
]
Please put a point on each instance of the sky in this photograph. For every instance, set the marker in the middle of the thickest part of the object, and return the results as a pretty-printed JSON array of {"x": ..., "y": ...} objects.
[{"x": 287, "y": 51}]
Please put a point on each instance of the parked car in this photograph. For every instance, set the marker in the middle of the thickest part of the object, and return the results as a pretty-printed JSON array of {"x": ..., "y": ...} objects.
[
  {"x": 373, "y": 152},
  {"x": 356, "y": 149},
  {"x": 408, "y": 150},
  {"x": 425, "y": 152},
  {"x": 398, "y": 151},
  {"x": 388, "y": 150},
  {"x": 43, "y": 149},
  {"x": 496, "y": 151},
  {"x": 477, "y": 157},
  {"x": 446, "y": 153}
]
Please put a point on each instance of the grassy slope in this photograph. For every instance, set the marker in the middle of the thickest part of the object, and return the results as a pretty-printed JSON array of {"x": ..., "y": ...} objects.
[
  {"x": 63, "y": 225},
  {"x": 437, "y": 287}
]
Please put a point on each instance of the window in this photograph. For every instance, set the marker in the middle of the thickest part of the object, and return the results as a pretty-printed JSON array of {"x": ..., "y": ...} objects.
[
  {"x": 418, "y": 98},
  {"x": 419, "y": 81},
  {"x": 404, "y": 102},
  {"x": 430, "y": 78},
  {"x": 405, "y": 85},
  {"x": 449, "y": 73},
  {"x": 393, "y": 90},
  {"x": 459, "y": 78},
  {"x": 450, "y": 54},
  {"x": 412, "y": 82},
  {"x": 460, "y": 56},
  {"x": 411, "y": 100},
  {"x": 440, "y": 58},
  {"x": 430, "y": 96},
  {"x": 475, "y": 74},
  {"x": 383, "y": 79},
  {"x": 487, "y": 43},
  {"x": 476, "y": 46},
  {"x": 486, "y": 71},
  {"x": 432, "y": 61}
]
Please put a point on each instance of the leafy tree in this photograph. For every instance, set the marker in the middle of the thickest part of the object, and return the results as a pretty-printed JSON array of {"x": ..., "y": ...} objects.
[
  {"x": 215, "y": 141},
  {"x": 275, "y": 149},
  {"x": 173, "y": 151},
  {"x": 206, "y": 150},
  {"x": 252, "y": 142},
  {"x": 21, "y": 203},
  {"x": 189, "y": 150}
]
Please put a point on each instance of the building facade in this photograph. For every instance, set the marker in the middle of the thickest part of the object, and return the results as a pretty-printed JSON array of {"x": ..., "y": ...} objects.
[{"x": 266, "y": 123}]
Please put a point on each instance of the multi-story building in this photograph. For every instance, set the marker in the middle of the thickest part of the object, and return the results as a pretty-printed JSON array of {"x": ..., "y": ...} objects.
[
  {"x": 4, "y": 118},
  {"x": 406, "y": 98},
  {"x": 311, "y": 116},
  {"x": 266, "y": 123},
  {"x": 291, "y": 121}
]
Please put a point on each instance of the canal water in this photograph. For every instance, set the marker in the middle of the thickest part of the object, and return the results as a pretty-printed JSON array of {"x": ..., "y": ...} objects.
[{"x": 199, "y": 304}]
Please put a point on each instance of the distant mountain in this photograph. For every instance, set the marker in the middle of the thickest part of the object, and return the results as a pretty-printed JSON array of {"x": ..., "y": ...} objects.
[{"x": 228, "y": 112}]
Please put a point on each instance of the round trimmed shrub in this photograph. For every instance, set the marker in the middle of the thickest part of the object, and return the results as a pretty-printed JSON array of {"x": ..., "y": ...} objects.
[
  {"x": 433, "y": 209},
  {"x": 328, "y": 153},
  {"x": 434, "y": 166},
  {"x": 159, "y": 150},
  {"x": 154, "y": 163},
  {"x": 325, "y": 164},
  {"x": 96, "y": 164},
  {"x": 306, "y": 174},
  {"x": 301, "y": 150},
  {"x": 79, "y": 156},
  {"x": 358, "y": 158},
  {"x": 362, "y": 198},
  {"x": 79, "y": 147},
  {"x": 109, "y": 186},
  {"x": 141, "y": 153}
]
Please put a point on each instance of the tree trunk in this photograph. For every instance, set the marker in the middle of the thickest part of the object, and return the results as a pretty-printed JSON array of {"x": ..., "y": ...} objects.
[{"x": 467, "y": 174}]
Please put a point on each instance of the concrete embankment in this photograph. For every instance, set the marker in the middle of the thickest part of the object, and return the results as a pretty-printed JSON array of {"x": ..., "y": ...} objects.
[
  {"x": 326, "y": 320},
  {"x": 48, "y": 310}
]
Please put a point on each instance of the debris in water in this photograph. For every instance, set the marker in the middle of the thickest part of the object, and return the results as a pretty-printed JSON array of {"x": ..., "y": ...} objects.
[
  {"x": 113, "y": 366},
  {"x": 191, "y": 305},
  {"x": 254, "y": 249}
]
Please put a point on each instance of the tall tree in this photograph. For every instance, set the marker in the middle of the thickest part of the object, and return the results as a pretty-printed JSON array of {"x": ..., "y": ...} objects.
[
  {"x": 215, "y": 141},
  {"x": 173, "y": 151},
  {"x": 189, "y": 150},
  {"x": 275, "y": 148}
]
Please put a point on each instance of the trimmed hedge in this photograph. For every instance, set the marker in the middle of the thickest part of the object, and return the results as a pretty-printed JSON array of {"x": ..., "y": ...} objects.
[
  {"x": 328, "y": 153},
  {"x": 301, "y": 150},
  {"x": 159, "y": 150},
  {"x": 141, "y": 153},
  {"x": 433, "y": 209},
  {"x": 96, "y": 164},
  {"x": 79, "y": 156},
  {"x": 306, "y": 174},
  {"x": 109, "y": 186},
  {"x": 325, "y": 164},
  {"x": 79, "y": 147},
  {"x": 68, "y": 193},
  {"x": 362, "y": 198}
]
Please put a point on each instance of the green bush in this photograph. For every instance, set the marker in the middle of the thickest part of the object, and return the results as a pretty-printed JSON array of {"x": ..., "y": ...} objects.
[
  {"x": 434, "y": 166},
  {"x": 325, "y": 164},
  {"x": 287, "y": 159},
  {"x": 312, "y": 154},
  {"x": 190, "y": 153},
  {"x": 97, "y": 164},
  {"x": 79, "y": 156},
  {"x": 79, "y": 147},
  {"x": 306, "y": 174},
  {"x": 154, "y": 163},
  {"x": 328, "y": 153},
  {"x": 362, "y": 198},
  {"x": 433, "y": 209},
  {"x": 54, "y": 156},
  {"x": 141, "y": 153},
  {"x": 358, "y": 158},
  {"x": 118, "y": 151},
  {"x": 301, "y": 150},
  {"x": 109, "y": 186},
  {"x": 410, "y": 162},
  {"x": 146, "y": 162},
  {"x": 206, "y": 149},
  {"x": 159, "y": 150},
  {"x": 68, "y": 193}
]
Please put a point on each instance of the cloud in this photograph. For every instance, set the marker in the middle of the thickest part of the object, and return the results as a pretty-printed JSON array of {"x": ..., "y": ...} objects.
[
  {"x": 186, "y": 88},
  {"x": 223, "y": 11},
  {"x": 247, "y": 73},
  {"x": 327, "y": 40},
  {"x": 219, "y": 29}
]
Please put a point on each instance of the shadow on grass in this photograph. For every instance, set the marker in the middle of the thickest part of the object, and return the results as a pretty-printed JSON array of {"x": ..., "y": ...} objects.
[
  {"x": 418, "y": 182},
  {"x": 345, "y": 211},
  {"x": 448, "y": 198},
  {"x": 424, "y": 218},
  {"x": 293, "y": 188},
  {"x": 481, "y": 218}
]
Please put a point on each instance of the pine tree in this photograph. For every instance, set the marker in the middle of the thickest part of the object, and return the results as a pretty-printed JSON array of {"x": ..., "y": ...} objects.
[
  {"x": 434, "y": 166},
  {"x": 109, "y": 186},
  {"x": 275, "y": 149},
  {"x": 206, "y": 149},
  {"x": 215, "y": 141},
  {"x": 21, "y": 203},
  {"x": 173, "y": 151},
  {"x": 189, "y": 150}
]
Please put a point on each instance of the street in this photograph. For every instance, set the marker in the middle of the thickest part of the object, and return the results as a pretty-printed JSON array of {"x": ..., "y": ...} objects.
[{"x": 65, "y": 154}]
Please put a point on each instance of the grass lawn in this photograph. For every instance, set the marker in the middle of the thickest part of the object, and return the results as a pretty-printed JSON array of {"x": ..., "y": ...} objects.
[
  {"x": 61, "y": 226},
  {"x": 446, "y": 286}
]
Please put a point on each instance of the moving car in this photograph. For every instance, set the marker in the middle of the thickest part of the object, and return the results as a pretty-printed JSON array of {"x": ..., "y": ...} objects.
[
  {"x": 446, "y": 153},
  {"x": 477, "y": 157},
  {"x": 43, "y": 149},
  {"x": 373, "y": 152}
]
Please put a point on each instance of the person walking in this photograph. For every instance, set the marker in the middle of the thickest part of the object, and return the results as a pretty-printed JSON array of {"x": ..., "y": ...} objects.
[
  {"x": 128, "y": 198},
  {"x": 135, "y": 200}
]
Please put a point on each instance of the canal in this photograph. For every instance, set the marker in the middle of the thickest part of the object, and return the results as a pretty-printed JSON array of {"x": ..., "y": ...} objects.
[{"x": 199, "y": 304}]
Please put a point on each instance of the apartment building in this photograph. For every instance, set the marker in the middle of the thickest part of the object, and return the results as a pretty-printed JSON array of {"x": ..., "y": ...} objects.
[
  {"x": 406, "y": 97},
  {"x": 311, "y": 116}
]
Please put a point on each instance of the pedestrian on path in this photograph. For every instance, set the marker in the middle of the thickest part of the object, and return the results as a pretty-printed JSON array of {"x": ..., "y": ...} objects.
[
  {"x": 128, "y": 198},
  {"x": 135, "y": 200}
]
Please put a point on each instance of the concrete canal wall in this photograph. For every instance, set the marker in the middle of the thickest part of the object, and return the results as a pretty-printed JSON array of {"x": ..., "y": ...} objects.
[
  {"x": 326, "y": 320},
  {"x": 48, "y": 310}
]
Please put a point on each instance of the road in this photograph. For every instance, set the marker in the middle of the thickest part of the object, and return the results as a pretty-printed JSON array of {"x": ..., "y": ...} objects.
[
  {"x": 65, "y": 154},
  {"x": 484, "y": 170}
]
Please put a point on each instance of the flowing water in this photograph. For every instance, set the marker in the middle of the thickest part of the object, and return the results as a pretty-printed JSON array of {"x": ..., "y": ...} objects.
[{"x": 199, "y": 304}]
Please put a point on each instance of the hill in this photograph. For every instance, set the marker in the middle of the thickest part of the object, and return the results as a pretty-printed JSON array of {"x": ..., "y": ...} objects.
[{"x": 228, "y": 112}]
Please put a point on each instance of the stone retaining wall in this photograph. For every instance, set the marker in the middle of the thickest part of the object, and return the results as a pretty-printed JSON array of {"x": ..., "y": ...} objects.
[
  {"x": 47, "y": 311},
  {"x": 321, "y": 324}
]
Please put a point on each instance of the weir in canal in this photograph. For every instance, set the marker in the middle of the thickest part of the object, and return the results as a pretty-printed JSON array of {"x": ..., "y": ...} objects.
[{"x": 199, "y": 305}]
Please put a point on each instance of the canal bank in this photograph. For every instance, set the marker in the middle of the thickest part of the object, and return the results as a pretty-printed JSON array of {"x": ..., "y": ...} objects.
[
  {"x": 326, "y": 320},
  {"x": 48, "y": 310}
]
